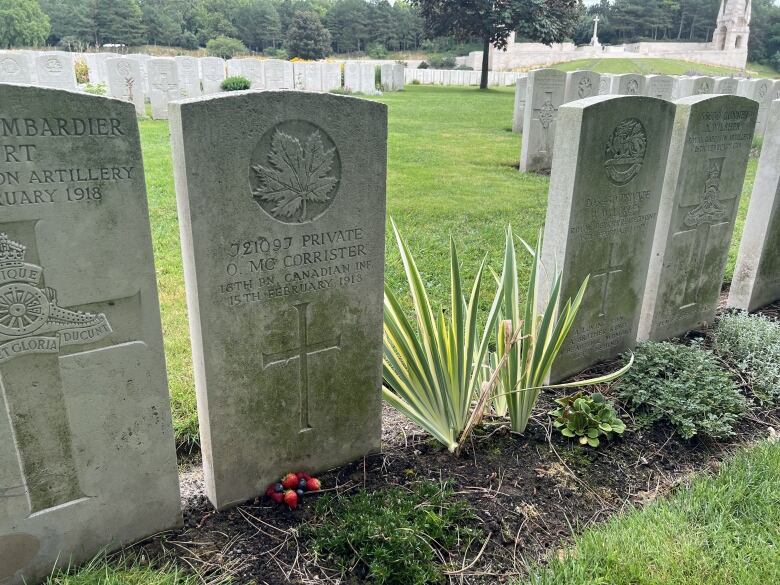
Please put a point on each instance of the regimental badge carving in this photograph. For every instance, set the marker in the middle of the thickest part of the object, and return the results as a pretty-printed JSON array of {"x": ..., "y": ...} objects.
[
  {"x": 762, "y": 90},
  {"x": 625, "y": 151},
  {"x": 9, "y": 67},
  {"x": 124, "y": 69},
  {"x": 547, "y": 113},
  {"x": 295, "y": 172},
  {"x": 31, "y": 321},
  {"x": 53, "y": 65},
  {"x": 704, "y": 87},
  {"x": 632, "y": 87},
  {"x": 603, "y": 85},
  {"x": 585, "y": 88},
  {"x": 709, "y": 210}
]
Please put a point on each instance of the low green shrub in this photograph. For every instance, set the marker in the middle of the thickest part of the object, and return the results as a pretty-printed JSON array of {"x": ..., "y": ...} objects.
[
  {"x": 393, "y": 536},
  {"x": 377, "y": 51},
  {"x": 423, "y": 65},
  {"x": 750, "y": 344},
  {"x": 441, "y": 61},
  {"x": 235, "y": 83},
  {"x": 587, "y": 417},
  {"x": 225, "y": 47},
  {"x": 685, "y": 386},
  {"x": 96, "y": 88}
]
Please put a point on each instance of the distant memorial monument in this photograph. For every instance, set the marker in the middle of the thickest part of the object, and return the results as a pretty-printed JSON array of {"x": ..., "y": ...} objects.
[{"x": 728, "y": 47}]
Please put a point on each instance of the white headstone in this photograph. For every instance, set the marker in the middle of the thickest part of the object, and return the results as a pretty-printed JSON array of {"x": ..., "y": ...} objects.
[
  {"x": 17, "y": 67},
  {"x": 313, "y": 76},
  {"x": 253, "y": 70},
  {"x": 543, "y": 98},
  {"x": 189, "y": 77},
  {"x": 331, "y": 76},
  {"x": 299, "y": 75},
  {"x": 756, "y": 279},
  {"x": 708, "y": 156},
  {"x": 660, "y": 86},
  {"x": 628, "y": 84},
  {"x": 56, "y": 70},
  {"x": 762, "y": 91},
  {"x": 278, "y": 74},
  {"x": 284, "y": 284},
  {"x": 125, "y": 82},
  {"x": 163, "y": 85},
  {"x": 605, "y": 190},
  {"x": 581, "y": 85},
  {"x": 726, "y": 85},
  {"x": 87, "y": 457},
  {"x": 521, "y": 87},
  {"x": 213, "y": 74}
]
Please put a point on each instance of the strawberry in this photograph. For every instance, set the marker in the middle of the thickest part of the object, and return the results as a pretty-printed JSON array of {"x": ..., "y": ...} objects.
[
  {"x": 303, "y": 475},
  {"x": 270, "y": 491},
  {"x": 277, "y": 497},
  {"x": 291, "y": 499},
  {"x": 290, "y": 481},
  {"x": 313, "y": 484}
]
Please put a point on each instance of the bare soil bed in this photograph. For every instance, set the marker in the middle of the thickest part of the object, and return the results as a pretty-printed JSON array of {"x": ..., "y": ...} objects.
[{"x": 529, "y": 492}]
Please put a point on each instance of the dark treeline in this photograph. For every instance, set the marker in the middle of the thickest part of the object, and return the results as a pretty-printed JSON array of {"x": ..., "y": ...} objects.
[{"x": 354, "y": 25}]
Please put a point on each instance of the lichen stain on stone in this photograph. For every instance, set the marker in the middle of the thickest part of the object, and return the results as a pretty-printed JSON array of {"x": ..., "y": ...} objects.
[{"x": 16, "y": 551}]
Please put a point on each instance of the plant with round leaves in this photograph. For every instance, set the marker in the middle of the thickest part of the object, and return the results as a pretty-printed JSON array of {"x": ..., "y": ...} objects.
[{"x": 587, "y": 417}]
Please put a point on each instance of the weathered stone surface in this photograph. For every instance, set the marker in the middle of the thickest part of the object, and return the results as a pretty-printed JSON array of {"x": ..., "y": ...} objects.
[
  {"x": 708, "y": 156},
  {"x": 284, "y": 284},
  {"x": 163, "y": 85},
  {"x": 87, "y": 459},
  {"x": 696, "y": 85},
  {"x": 360, "y": 77},
  {"x": 299, "y": 75},
  {"x": 212, "y": 74},
  {"x": 605, "y": 189},
  {"x": 726, "y": 85},
  {"x": 331, "y": 77},
  {"x": 253, "y": 70},
  {"x": 313, "y": 77},
  {"x": 628, "y": 84},
  {"x": 762, "y": 91},
  {"x": 521, "y": 90},
  {"x": 55, "y": 70},
  {"x": 392, "y": 77},
  {"x": 278, "y": 74},
  {"x": 126, "y": 83},
  {"x": 580, "y": 85},
  {"x": 756, "y": 279},
  {"x": 543, "y": 98},
  {"x": 605, "y": 83},
  {"x": 16, "y": 67},
  {"x": 660, "y": 86},
  {"x": 189, "y": 77}
]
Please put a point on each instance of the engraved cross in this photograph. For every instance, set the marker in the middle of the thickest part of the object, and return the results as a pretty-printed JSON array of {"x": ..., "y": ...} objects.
[
  {"x": 606, "y": 274},
  {"x": 302, "y": 353},
  {"x": 546, "y": 115}
]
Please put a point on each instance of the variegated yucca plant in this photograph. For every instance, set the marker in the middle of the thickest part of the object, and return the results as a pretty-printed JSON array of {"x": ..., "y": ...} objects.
[
  {"x": 540, "y": 331},
  {"x": 432, "y": 371}
]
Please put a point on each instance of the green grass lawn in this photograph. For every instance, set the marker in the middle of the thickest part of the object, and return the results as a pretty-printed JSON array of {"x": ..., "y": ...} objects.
[
  {"x": 661, "y": 66},
  {"x": 451, "y": 170},
  {"x": 722, "y": 531}
]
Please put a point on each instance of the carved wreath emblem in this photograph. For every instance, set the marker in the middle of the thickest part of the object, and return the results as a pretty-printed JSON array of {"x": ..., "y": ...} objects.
[
  {"x": 625, "y": 151},
  {"x": 633, "y": 87},
  {"x": 295, "y": 175}
]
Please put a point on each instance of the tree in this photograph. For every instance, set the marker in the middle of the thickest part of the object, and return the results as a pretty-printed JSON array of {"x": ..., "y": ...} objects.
[
  {"x": 120, "y": 21},
  {"x": 307, "y": 38},
  {"x": 22, "y": 24},
  {"x": 258, "y": 24},
  {"x": 764, "y": 44},
  {"x": 492, "y": 21},
  {"x": 225, "y": 47},
  {"x": 348, "y": 22}
]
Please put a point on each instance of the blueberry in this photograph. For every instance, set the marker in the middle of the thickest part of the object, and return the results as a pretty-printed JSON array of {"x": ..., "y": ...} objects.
[
  {"x": 278, "y": 488},
  {"x": 302, "y": 484},
  {"x": 300, "y": 493}
]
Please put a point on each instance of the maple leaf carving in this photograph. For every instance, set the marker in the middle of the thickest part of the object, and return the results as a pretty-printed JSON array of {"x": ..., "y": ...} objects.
[{"x": 296, "y": 175}]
